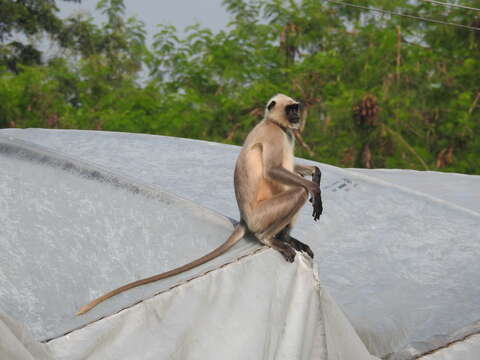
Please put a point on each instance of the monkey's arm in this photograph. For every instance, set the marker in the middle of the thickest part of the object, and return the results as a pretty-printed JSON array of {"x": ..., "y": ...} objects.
[
  {"x": 315, "y": 173},
  {"x": 307, "y": 170},
  {"x": 272, "y": 158},
  {"x": 280, "y": 174},
  {"x": 304, "y": 170}
]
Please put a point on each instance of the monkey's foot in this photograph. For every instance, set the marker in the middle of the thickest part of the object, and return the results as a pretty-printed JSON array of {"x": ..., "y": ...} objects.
[
  {"x": 289, "y": 254},
  {"x": 287, "y": 251},
  {"x": 298, "y": 245}
]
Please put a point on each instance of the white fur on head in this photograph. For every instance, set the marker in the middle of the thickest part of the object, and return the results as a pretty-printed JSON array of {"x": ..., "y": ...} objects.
[{"x": 275, "y": 110}]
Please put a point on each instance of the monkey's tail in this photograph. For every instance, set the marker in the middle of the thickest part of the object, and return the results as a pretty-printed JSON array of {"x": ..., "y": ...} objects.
[{"x": 236, "y": 235}]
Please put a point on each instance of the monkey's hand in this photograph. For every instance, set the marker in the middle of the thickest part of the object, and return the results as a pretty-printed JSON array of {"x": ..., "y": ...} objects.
[
  {"x": 316, "y": 201},
  {"x": 317, "y": 175}
]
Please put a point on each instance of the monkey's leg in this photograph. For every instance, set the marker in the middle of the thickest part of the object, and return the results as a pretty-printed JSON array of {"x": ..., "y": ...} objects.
[
  {"x": 270, "y": 216},
  {"x": 283, "y": 248},
  {"x": 284, "y": 236}
]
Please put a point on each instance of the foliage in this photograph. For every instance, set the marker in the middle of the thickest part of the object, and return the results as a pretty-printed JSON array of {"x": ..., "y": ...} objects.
[
  {"x": 27, "y": 18},
  {"x": 420, "y": 78}
]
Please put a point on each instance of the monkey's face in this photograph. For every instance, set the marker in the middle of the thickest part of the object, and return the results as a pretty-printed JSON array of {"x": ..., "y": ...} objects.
[
  {"x": 284, "y": 110},
  {"x": 292, "y": 112}
]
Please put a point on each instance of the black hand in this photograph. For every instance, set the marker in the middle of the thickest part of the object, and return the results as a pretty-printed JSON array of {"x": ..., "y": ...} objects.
[
  {"x": 317, "y": 206},
  {"x": 317, "y": 200},
  {"x": 317, "y": 175}
]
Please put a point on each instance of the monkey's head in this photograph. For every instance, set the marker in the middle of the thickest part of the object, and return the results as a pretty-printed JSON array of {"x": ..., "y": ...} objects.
[{"x": 284, "y": 111}]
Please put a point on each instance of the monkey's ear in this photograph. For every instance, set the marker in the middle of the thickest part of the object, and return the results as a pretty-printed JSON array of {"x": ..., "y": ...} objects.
[{"x": 271, "y": 105}]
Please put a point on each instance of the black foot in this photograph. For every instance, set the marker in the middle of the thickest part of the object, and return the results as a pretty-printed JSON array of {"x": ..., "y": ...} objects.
[
  {"x": 298, "y": 245},
  {"x": 285, "y": 249},
  {"x": 288, "y": 253}
]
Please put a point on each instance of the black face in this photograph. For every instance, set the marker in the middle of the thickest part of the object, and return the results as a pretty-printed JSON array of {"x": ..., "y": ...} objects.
[{"x": 293, "y": 113}]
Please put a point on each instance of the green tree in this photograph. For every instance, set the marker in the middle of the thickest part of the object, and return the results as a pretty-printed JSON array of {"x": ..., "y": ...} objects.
[
  {"x": 27, "y": 18},
  {"x": 378, "y": 90}
]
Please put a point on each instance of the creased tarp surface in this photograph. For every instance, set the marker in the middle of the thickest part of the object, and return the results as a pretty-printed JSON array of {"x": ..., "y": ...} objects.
[
  {"x": 16, "y": 342},
  {"x": 280, "y": 313},
  {"x": 255, "y": 308},
  {"x": 402, "y": 263}
]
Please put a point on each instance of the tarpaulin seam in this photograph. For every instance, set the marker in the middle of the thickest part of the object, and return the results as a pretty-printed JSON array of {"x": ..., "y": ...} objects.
[{"x": 430, "y": 352}]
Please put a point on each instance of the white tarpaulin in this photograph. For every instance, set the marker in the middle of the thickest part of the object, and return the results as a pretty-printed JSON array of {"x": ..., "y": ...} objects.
[
  {"x": 89, "y": 211},
  {"x": 282, "y": 314}
]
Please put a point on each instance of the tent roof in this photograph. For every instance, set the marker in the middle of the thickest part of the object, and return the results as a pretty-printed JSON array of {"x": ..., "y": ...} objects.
[{"x": 398, "y": 250}]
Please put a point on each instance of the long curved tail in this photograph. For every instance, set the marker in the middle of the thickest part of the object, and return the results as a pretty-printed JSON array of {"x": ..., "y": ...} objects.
[{"x": 236, "y": 235}]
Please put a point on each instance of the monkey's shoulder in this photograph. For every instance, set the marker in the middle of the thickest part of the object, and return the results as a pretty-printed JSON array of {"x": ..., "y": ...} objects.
[{"x": 266, "y": 132}]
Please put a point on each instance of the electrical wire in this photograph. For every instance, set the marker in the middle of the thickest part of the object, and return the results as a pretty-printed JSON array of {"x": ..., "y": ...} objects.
[
  {"x": 405, "y": 15},
  {"x": 451, "y": 5}
]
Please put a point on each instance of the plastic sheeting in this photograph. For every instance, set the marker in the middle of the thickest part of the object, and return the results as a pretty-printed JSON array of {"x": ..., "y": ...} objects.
[{"x": 400, "y": 259}]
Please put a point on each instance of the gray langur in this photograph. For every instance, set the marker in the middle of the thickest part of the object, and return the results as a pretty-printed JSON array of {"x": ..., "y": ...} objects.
[{"x": 269, "y": 187}]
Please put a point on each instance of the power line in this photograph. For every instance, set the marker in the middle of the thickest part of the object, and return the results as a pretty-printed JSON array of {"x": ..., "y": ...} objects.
[
  {"x": 405, "y": 15},
  {"x": 452, "y": 5}
]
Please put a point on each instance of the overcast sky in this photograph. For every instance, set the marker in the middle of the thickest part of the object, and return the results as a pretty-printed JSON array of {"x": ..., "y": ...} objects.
[{"x": 180, "y": 13}]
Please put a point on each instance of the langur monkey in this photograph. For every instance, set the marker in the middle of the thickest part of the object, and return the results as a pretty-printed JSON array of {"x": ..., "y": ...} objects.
[{"x": 269, "y": 187}]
